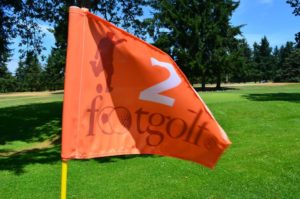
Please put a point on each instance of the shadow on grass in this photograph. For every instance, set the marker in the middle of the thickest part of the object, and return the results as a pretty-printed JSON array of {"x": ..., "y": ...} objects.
[
  {"x": 57, "y": 92},
  {"x": 290, "y": 97},
  {"x": 27, "y": 125},
  {"x": 113, "y": 159},
  {"x": 19, "y": 160},
  {"x": 211, "y": 89},
  {"x": 31, "y": 124}
]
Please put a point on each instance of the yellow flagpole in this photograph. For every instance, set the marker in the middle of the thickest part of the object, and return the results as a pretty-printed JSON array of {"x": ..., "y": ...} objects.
[{"x": 64, "y": 172}]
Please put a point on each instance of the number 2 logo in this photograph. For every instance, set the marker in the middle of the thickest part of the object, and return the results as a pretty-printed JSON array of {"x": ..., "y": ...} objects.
[{"x": 152, "y": 93}]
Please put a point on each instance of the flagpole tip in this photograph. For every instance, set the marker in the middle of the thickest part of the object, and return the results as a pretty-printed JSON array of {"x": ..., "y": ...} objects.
[
  {"x": 74, "y": 7},
  {"x": 84, "y": 9}
]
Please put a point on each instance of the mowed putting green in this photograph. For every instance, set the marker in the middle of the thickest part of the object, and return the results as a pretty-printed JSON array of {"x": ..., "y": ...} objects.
[{"x": 263, "y": 122}]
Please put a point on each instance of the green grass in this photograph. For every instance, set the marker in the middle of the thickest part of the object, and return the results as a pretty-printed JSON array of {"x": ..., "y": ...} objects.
[{"x": 263, "y": 122}]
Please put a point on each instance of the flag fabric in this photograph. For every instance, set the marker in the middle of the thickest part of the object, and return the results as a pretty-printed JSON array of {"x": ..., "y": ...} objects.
[{"x": 125, "y": 96}]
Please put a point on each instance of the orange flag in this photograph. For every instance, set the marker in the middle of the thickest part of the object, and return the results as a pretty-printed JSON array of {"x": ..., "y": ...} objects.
[{"x": 124, "y": 96}]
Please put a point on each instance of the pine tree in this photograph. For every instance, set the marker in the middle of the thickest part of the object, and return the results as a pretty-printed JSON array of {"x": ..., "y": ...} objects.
[
  {"x": 6, "y": 33},
  {"x": 266, "y": 59},
  {"x": 225, "y": 40},
  {"x": 291, "y": 67},
  {"x": 283, "y": 53},
  {"x": 125, "y": 14},
  {"x": 255, "y": 70},
  {"x": 53, "y": 75},
  {"x": 28, "y": 74},
  {"x": 7, "y": 81},
  {"x": 17, "y": 18},
  {"x": 263, "y": 60},
  {"x": 20, "y": 18},
  {"x": 276, "y": 58},
  {"x": 197, "y": 34},
  {"x": 242, "y": 66}
]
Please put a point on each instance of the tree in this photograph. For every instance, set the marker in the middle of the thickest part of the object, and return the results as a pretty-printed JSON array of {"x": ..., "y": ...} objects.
[
  {"x": 283, "y": 53},
  {"x": 7, "y": 81},
  {"x": 265, "y": 65},
  {"x": 240, "y": 70},
  {"x": 53, "y": 75},
  {"x": 291, "y": 67},
  {"x": 255, "y": 71},
  {"x": 123, "y": 13},
  {"x": 197, "y": 34},
  {"x": 276, "y": 58},
  {"x": 296, "y": 5},
  {"x": 263, "y": 60},
  {"x": 4, "y": 42},
  {"x": 18, "y": 18},
  {"x": 7, "y": 32},
  {"x": 225, "y": 39},
  {"x": 28, "y": 74},
  {"x": 21, "y": 17}
]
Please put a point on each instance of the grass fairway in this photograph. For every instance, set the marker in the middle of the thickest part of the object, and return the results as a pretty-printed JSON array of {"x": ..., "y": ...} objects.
[{"x": 263, "y": 122}]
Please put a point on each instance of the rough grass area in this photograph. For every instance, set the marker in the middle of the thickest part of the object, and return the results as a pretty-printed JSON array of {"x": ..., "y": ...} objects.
[{"x": 263, "y": 122}]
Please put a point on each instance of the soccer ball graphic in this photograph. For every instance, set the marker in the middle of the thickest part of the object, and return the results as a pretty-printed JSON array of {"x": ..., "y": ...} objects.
[{"x": 114, "y": 120}]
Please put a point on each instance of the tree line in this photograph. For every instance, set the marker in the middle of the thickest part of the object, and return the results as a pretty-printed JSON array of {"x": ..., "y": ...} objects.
[{"x": 196, "y": 33}]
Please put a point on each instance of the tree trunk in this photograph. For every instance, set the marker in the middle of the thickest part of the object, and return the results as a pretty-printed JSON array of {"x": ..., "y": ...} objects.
[
  {"x": 218, "y": 86},
  {"x": 203, "y": 82}
]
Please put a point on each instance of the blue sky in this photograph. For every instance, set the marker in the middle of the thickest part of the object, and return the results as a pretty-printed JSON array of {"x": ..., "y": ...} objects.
[{"x": 271, "y": 18}]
